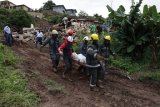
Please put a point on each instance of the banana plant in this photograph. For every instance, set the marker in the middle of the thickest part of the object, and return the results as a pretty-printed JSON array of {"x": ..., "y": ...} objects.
[
  {"x": 151, "y": 20},
  {"x": 131, "y": 33}
]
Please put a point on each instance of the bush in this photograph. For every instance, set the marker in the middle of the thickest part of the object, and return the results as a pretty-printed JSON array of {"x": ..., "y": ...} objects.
[
  {"x": 16, "y": 18},
  {"x": 128, "y": 64},
  {"x": 148, "y": 75},
  {"x": 7, "y": 57}
]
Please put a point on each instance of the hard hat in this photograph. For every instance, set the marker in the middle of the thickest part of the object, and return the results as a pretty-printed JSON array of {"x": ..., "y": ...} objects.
[
  {"x": 70, "y": 39},
  {"x": 94, "y": 37},
  {"x": 107, "y": 37},
  {"x": 86, "y": 38},
  {"x": 70, "y": 32},
  {"x": 54, "y": 32}
]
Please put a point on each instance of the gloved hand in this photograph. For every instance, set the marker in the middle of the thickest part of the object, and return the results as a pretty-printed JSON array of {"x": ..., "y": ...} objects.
[
  {"x": 61, "y": 53},
  {"x": 99, "y": 57}
]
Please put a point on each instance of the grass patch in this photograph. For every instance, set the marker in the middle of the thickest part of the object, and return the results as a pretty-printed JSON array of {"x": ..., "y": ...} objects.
[
  {"x": 127, "y": 64},
  {"x": 149, "y": 75},
  {"x": 53, "y": 86},
  {"x": 49, "y": 84},
  {"x": 13, "y": 90},
  {"x": 7, "y": 57},
  {"x": 138, "y": 70}
]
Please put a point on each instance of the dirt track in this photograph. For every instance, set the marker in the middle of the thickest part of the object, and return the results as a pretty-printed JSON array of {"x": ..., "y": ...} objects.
[{"x": 118, "y": 91}]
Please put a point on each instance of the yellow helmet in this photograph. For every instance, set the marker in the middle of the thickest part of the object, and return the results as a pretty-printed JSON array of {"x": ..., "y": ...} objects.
[
  {"x": 94, "y": 37},
  {"x": 54, "y": 32},
  {"x": 107, "y": 37}
]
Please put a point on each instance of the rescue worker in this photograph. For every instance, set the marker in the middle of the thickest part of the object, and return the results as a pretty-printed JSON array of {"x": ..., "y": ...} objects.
[
  {"x": 53, "y": 42},
  {"x": 105, "y": 48},
  {"x": 83, "y": 51},
  {"x": 68, "y": 33},
  {"x": 8, "y": 35},
  {"x": 92, "y": 59},
  {"x": 66, "y": 51},
  {"x": 84, "y": 45},
  {"x": 105, "y": 51},
  {"x": 39, "y": 38},
  {"x": 71, "y": 33}
]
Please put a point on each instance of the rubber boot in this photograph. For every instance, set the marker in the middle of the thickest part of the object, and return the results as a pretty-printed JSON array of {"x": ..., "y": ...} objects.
[
  {"x": 94, "y": 89},
  {"x": 100, "y": 84},
  {"x": 54, "y": 68},
  {"x": 70, "y": 76}
]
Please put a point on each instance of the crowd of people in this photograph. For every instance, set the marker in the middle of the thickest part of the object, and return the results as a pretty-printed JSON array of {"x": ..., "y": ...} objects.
[{"x": 95, "y": 54}]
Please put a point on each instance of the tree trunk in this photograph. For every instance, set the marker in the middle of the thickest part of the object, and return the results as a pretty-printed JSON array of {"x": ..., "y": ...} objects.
[{"x": 154, "y": 48}]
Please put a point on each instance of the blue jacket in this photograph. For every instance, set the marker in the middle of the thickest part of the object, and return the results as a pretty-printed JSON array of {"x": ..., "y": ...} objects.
[
  {"x": 105, "y": 50},
  {"x": 83, "y": 48}
]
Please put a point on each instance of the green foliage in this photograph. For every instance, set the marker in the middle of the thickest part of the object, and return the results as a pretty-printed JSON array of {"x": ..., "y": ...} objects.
[
  {"x": 48, "y": 5},
  {"x": 135, "y": 32},
  {"x": 16, "y": 18},
  {"x": 55, "y": 18},
  {"x": 13, "y": 91},
  {"x": 20, "y": 18},
  {"x": 130, "y": 33},
  {"x": 76, "y": 47},
  {"x": 7, "y": 57},
  {"x": 82, "y": 14},
  {"x": 53, "y": 86},
  {"x": 126, "y": 63},
  {"x": 99, "y": 18},
  {"x": 4, "y": 17},
  {"x": 151, "y": 20},
  {"x": 149, "y": 75}
]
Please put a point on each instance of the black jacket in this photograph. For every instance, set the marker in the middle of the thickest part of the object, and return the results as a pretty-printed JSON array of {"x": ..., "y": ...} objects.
[
  {"x": 53, "y": 44},
  {"x": 92, "y": 50}
]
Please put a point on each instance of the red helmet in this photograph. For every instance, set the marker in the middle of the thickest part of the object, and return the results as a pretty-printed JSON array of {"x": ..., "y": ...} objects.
[{"x": 70, "y": 32}]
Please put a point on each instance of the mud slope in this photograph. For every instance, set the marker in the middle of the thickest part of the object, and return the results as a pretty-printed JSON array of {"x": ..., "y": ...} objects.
[{"x": 118, "y": 91}]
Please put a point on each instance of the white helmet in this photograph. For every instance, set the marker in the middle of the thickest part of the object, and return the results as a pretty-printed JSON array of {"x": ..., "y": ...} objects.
[
  {"x": 70, "y": 39},
  {"x": 86, "y": 38},
  {"x": 54, "y": 32}
]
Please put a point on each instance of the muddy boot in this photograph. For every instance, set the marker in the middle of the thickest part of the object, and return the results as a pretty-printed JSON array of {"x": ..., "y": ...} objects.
[
  {"x": 70, "y": 79},
  {"x": 100, "y": 84},
  {"x": 63, "y": 75},
  {"x": 94, "y": 89},
  {"x": 82, "y": 77},
  {"x": 54, "y": 68}
]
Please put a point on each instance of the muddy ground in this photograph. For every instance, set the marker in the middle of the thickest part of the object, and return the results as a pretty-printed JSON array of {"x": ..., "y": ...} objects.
[{"x": 118, "y": 92}]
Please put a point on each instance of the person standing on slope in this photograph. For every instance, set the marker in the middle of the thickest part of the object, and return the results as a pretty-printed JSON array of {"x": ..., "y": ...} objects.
[
  {"x": 39, "y": 38},
  {"x": 8, "y": 35},
  {"x": 92, "y": 59},
  {"x": 53, "y": 42},
  {"x": 66, "y": 51}
]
